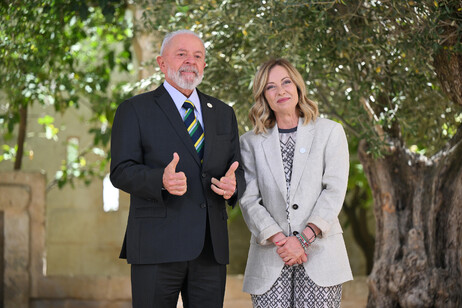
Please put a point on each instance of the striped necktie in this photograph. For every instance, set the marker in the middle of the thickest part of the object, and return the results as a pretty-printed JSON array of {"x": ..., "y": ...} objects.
[{"x": 194, "y": 128}]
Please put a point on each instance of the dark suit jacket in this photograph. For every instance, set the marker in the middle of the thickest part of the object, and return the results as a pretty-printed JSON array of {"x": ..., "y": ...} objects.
[{"x": 147, "y": 130}]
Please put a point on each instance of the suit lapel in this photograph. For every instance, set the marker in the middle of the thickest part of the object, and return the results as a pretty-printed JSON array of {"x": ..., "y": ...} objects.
[
  {"x": 209, "y": 118},
  {"x": 272, "y": 149},
  {"x": 167, "y": 105},
  {"x": 304, "y": 139}
]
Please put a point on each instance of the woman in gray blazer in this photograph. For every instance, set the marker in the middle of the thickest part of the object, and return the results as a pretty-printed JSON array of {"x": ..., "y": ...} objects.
[{"x": 296, "y": 169}]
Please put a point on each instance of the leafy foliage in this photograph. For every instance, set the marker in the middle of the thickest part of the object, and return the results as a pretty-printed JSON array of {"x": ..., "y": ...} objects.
[
  {"x": 63, "y": 53},
  {"x": 368, "y": 63}
]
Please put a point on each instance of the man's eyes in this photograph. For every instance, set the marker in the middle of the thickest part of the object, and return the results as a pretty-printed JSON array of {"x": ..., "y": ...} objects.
[{"x": 183, "y": 55}]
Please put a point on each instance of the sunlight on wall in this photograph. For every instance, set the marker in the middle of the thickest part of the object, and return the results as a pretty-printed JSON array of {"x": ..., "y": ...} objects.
[{"x": 110, "y": 196}]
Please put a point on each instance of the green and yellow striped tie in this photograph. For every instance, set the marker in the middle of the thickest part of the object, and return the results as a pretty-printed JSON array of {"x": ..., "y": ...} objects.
[{"x": 194, "y": 128}]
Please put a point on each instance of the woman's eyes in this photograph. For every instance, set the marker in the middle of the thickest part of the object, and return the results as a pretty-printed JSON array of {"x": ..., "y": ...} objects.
[{"x": 284, "y": 82}]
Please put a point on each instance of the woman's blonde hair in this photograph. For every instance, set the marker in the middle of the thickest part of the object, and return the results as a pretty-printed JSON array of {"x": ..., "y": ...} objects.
[{"x": 261, "y": 115}]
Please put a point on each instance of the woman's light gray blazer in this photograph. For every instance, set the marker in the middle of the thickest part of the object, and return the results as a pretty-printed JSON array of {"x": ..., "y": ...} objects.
[{"x": 318, "y": 187}]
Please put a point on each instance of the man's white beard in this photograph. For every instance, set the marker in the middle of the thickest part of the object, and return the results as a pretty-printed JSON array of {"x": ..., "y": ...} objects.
[{"x": 183, "y": 82}]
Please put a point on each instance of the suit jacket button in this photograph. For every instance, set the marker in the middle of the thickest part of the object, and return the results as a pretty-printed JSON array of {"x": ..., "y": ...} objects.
[
  {"x": 295, "y": 232},
  {"x": 203, "y": 205},
  {"x": 295, "y": 206},
  {"x": 204, "y": 174}
]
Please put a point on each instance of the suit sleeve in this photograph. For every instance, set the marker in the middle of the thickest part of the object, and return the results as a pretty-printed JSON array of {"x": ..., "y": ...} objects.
[
  {"x": 128, "y": 171},
  {"x": 258, "y": 219},
  {"x": 236, "y": 156},
  {"x": 334, "y": 180}
]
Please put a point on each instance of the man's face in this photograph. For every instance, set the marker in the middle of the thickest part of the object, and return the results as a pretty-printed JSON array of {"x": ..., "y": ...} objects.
[{"x": 183, "y": 62}]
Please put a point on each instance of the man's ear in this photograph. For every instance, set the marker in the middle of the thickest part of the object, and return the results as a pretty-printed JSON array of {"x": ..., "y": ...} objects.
[{"x": 161, "y": 63}]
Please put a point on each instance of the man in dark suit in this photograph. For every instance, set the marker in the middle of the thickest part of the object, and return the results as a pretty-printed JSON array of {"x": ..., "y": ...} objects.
[{"x": 179, "y": 162}]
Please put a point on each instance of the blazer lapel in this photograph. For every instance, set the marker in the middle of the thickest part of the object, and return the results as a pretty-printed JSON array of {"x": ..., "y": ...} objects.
[
  {"x": 304, "y": 139},
  {"x": 272, "y": 149},
  {"x": 167, "y": 105}
]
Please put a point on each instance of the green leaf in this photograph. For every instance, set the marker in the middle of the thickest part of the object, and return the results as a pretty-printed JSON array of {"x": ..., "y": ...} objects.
[{"x": 46, "y": 120}]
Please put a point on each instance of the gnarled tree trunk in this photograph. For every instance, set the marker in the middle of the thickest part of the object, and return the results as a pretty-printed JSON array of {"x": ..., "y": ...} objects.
[{"x": 418, "y": 208}]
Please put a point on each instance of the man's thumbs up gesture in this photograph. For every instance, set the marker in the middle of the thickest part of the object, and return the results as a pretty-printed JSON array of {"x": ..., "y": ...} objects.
[
  {"x": 226, "y": 186},
  {"x": 174, "y": 182}
]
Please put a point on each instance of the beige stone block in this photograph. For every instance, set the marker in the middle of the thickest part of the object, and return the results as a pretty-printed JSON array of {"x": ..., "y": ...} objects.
[
  {"x": 81, "y": 196},
  {"x": 14, "y": 198},
  {"x": 16, "y": 289},
  {"x": 17, "y": 232},
  {"x": 104, "y": 261},
  {"x": 111, "y": 227},
  {"x": 98, "y": 234},
  {"x": 65, "y": 259},
  {"x": 86, "y": 288},
  {"x": 70, "y": 226},
  {"x": 22, "y": 200},
  {"x": 91, "y": 260}
]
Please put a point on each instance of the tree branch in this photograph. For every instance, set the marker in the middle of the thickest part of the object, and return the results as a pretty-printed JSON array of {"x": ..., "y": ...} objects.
[
  {"x": 326, "y": 102},
  {"x": 373, "y": 117},
  {"x": 451, "y": 146}
]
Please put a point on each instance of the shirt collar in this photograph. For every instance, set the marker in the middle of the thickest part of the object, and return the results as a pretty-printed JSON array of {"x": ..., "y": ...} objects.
[{"x": 179, "y": 98}]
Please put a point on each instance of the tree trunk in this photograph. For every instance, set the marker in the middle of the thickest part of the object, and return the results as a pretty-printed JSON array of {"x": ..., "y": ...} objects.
[
  {"x": 418, "y": 210},
  {"x": 21, "y": 136}
]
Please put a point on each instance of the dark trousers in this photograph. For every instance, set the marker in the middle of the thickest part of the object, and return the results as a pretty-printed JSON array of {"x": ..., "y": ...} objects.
[{"x": 200, "y": 281}]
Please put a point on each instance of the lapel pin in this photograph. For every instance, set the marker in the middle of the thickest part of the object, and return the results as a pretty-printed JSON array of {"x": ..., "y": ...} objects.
[
  {"x": 209, "y": 105},
  {"x": 302, "y": 150}
]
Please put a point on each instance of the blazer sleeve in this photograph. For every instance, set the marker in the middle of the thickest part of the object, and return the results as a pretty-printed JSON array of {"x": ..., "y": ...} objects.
[
  {"x": 128, "y": 171},
  {"x": 259, "y": 221},
  {"x": 334, "y": 180}
]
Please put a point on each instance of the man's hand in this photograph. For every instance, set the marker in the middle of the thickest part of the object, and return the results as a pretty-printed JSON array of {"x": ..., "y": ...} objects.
[
  {"x": 174, "y": 182},
  {"x": 226, "y": 186}
]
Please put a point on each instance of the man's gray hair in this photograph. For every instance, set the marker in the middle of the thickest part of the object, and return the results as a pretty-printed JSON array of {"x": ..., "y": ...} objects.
[{"x": 171, "y": 35}]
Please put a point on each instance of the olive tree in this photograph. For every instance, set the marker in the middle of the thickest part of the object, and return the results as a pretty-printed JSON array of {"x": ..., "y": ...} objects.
[{"x": 391, "y": 73}]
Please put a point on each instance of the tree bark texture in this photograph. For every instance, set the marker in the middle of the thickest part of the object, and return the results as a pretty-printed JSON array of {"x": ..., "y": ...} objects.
[
  {"x": 21, "y": 137},
  {"x": 448, "y": 61},
  {"x": 418, "y": 210}
]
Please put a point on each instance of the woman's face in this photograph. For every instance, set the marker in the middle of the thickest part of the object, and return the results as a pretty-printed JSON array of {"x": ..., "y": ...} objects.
[{"x": 281, "y": 92}]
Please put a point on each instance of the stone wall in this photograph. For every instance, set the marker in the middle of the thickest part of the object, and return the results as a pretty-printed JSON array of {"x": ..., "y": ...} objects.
[
  {"x": 22, "y": 201},
  {"x": 25, "y": 281}
]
